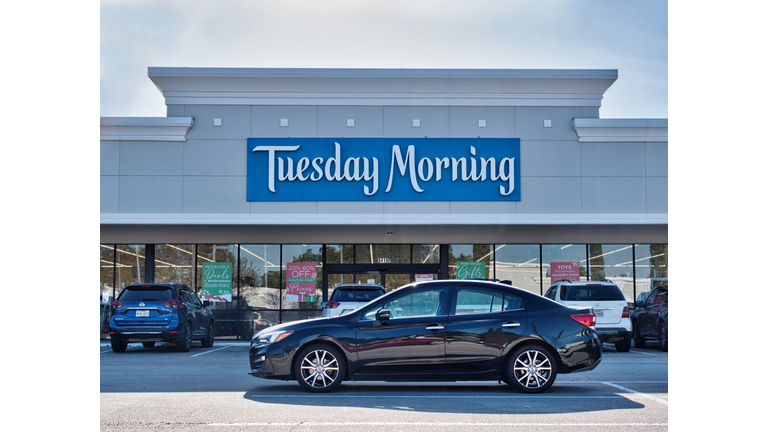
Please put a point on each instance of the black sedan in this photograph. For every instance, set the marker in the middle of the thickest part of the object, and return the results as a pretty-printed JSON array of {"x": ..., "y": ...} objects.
[{"x": 450, "y": 330}]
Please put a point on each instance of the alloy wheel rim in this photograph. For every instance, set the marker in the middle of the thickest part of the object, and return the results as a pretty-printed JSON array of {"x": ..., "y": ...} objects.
[
  {"x": 319, "y": 369},
  {"x": 532, "y": 369}
]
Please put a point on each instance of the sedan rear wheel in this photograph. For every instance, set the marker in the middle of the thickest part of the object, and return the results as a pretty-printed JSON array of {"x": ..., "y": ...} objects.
[
  {"x": 531, "y": 369},
  {"x": 319, "y": 368}
]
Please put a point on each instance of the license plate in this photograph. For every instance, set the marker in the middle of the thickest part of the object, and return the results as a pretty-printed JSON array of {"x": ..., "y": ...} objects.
[{"x": 142, "y": 313}]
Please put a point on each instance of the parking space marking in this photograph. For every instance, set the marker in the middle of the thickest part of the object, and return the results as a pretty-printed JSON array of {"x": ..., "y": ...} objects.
[
  {"x": 662, "y": 401},
  {"x": 217, "y": 349},
  {"x": 640, "y": 352},
  {"x": 318, "y": 424},
  {"x": 356, "y": 396}
]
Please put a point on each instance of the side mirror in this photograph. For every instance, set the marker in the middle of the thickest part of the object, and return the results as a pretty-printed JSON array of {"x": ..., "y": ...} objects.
[
  {"x": 638, "y": 303},
  {"x": 323, "y": 304},
  {"x": 382, "y": 315},
  {"x": 206, "y": 303}
]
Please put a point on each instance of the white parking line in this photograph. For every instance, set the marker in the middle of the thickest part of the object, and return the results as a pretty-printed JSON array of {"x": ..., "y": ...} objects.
[
  {"x": 640, "y": 352},
  {"x": 211, "y": 351},
  {"x": 357, "y": 396},
  {"x": 318, "y": 424},
  {"x": 662, "y": 401}
]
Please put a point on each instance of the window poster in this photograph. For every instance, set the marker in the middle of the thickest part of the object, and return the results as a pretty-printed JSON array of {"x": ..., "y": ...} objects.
[
  {"x": 217, "y": 281},
  {"x": 564, "y": 271},
  {"x": 300, "y": 285},
  {"x": 470, "y": 270},
  {"x": 425, "y": 277}
]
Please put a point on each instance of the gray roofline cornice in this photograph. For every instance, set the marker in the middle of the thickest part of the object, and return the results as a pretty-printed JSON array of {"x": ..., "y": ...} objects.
[{"x": 383, "y": 87}]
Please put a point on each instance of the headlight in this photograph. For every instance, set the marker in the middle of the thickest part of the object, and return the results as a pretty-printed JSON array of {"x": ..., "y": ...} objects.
[{"x": 271, "y": 337}]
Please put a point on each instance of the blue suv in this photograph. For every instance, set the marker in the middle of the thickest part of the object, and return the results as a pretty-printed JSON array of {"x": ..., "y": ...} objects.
[{"x": 155, "y": 312}]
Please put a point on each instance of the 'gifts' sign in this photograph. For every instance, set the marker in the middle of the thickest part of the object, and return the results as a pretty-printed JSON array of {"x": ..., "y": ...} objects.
[{"x": 301, "y": 282}]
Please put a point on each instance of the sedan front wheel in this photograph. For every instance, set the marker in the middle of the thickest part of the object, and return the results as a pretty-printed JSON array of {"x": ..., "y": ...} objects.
[
  {"x": 531, "y": 369},
  {"x": 319, "y": 368}
]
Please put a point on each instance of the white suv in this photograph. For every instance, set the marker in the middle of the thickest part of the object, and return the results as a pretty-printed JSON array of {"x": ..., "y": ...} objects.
[
  {"x": 348, "y": 297},
  {"x": 612, "y": 322}
]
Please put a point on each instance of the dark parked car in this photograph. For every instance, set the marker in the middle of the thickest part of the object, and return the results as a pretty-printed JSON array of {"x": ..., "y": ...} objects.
[
  {"x": 449, "y": 330},
  {"x": 155, "y": 312},
  {"x": 651, "y": 320}
]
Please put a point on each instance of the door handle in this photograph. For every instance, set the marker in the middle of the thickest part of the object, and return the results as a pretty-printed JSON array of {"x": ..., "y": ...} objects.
[
  {"x": 435, "y": 327},
  {"x": 511, "y": 324}
]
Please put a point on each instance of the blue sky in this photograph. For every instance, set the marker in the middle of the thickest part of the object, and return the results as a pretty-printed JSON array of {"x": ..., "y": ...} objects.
[{"x": 631, "y": 37}]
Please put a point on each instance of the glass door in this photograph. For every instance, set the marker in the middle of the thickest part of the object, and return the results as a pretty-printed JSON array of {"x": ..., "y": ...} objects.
[{"x": 393, "y": 281}]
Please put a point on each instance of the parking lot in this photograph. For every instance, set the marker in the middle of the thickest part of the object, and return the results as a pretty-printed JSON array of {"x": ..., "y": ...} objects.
[{"x": 210, "y": 389}]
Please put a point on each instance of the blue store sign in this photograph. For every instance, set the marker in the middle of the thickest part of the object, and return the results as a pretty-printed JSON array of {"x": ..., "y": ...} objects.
[{"x": 383, "y": 169}]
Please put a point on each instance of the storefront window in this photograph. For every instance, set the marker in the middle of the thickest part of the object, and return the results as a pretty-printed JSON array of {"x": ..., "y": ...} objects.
[
  {"x": 339, "y": 254},
  {"x": 308, "y": 253},
  {"x": 426, "y": 254},
  {"x": 223, "y": 254},
  {"x": 260, "y": 276},
  {"x": 383, "y": 254},
  {"x": 129, "y": 266},
  {"x": 614, "y": 263},
  {"x": 573, "y": 254},
  {"x": 651, "y": 265},
  {"x": 519, "y": 264},
  {"x": 470, "y": 262},
  {"x": 175, "y": 263},
  {"x": 106, "y": 283}
]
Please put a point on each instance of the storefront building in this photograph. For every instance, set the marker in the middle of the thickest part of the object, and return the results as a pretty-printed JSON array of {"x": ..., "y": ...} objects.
[{"x": 261, "y": 183}]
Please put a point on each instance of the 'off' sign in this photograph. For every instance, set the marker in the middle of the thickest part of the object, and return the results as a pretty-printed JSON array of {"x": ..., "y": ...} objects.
[{"x": 301, "y": 282}]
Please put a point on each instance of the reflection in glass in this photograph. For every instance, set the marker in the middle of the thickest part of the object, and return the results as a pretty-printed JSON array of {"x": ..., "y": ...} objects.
[
  {"x": 566, "y": 253},
  {"x": 426, "y": 254},
  {"x": 175, "y": 263},
  {"x": 129, "y": 265},
  {"x": 651, "y": 265},
  {"x": 260, "y": 276},
  {"x": 383, "y": 254},
  {"x": 106, "y": 284},
  {"x": 481, "y": 253},
  {"x": 396, "y": 280},
  {"x": 519, "y": 264},
  {"x": 614, "y": 263},
  {"x": 339, "y": 254}
]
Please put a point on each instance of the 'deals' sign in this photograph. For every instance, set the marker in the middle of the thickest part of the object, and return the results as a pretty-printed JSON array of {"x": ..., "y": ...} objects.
[{"x": 383, "y": 169}]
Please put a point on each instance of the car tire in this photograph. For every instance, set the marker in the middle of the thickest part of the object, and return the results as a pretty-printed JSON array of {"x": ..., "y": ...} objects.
[
  {"x": 623, "y": 345},
  {"x": 208, "y": 340},
  {"x": 185, "y": 343},
  {"x": 118, "y": 346},
  {"x": 663, "y": 337},
  {"x": 531, "y": 369},
  {"x": 639, "y": 341},
  {"x": 148, "y": 344},
  {"x": 320, "y": 368}
]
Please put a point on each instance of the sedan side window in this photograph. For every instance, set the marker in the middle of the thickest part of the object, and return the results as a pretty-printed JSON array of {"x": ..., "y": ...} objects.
[
  {"x": 480, "y": 300},
  {"x": 431, "y": 302}
]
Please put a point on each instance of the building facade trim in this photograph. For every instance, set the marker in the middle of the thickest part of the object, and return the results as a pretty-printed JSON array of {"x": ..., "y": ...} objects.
[
  {"x": 145, "y": 128},
  {"x": 318, "y": 219},
  {"x": 382, "y": 87},
  {"x": 591, "y": 130}
]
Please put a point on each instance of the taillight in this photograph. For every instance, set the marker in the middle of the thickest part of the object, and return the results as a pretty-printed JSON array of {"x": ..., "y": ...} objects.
[
  {"x": 585, "y": 319},
  {"x": 172, "y": 303},
  {"x": 332, "y": 304},
  {"x": 117, "y": 304},
  {"x": 625, "y": 312}
]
